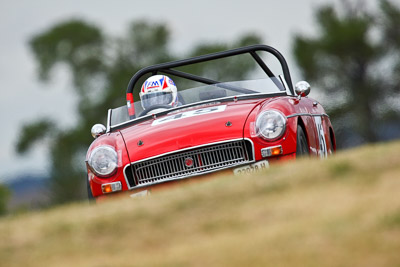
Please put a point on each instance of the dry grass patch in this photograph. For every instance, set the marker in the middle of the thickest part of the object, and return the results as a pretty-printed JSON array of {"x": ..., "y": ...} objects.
[{"x": 344, "y": 211}]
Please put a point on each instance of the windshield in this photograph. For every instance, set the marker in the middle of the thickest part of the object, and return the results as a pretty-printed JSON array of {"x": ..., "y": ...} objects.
[
  {"x": 219, "y": 91},
  {"x": 242, "y": 73}
]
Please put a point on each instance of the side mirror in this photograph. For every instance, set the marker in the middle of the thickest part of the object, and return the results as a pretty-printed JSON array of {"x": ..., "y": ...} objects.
[
  {"x": 302, "y": 88},
  {"x": 97, "y": 130}
]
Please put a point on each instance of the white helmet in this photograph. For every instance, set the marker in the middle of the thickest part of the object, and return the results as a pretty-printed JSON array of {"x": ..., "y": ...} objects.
[{"x": 158, "y": 90}]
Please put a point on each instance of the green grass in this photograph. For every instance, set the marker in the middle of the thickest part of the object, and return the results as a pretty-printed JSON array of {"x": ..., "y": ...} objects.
[{"x": 344, "y": 211}]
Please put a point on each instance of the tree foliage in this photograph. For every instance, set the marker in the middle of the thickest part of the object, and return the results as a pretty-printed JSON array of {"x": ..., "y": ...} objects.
[
  {"x": 355, "y": 59},
  {"x": 100, "y": 68},
  {"x": 4, "y": 196},
  {"x": 32, "y": 133}
]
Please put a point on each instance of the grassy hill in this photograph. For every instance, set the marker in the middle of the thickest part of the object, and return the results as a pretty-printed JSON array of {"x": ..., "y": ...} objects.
[{"x": 344, "y": 211}]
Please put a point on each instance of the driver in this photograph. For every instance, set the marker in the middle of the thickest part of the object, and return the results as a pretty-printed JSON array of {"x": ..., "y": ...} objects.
[{"x": 158, "y": 92}]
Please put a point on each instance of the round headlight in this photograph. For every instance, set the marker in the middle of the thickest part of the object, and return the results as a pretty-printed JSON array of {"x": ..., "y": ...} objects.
[
  {"x": 270, "y": 125},
  {"x": 103, "y": 160}
]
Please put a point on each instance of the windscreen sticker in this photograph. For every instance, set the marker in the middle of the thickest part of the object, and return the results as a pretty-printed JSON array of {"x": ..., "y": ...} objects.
[{"x": 189, "y": 114}]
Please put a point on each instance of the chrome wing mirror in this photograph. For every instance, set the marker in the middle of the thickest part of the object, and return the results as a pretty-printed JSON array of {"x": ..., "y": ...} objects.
[
  {"x": 302, "y": 89},
  {"x": 97, "y": 130}
]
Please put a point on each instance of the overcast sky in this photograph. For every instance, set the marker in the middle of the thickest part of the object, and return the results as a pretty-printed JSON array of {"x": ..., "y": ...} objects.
[{"x": 24, "y": 99}]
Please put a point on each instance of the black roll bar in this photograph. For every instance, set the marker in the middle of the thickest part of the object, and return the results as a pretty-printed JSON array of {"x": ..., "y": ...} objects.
[{"x": 166, "y": 67}]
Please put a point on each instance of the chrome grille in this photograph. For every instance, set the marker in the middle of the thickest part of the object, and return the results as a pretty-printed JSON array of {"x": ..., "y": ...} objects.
[{"x": 191, "y": 162}]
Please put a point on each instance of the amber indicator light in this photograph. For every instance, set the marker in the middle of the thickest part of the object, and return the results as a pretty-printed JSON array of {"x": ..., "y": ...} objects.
[
  {"x": 107, "y": 188},
  {"x": 276, "y": 151},
  {"x": 271, "y": 151}
]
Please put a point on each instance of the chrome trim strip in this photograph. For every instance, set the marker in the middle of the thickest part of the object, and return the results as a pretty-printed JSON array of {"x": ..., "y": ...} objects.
[
  {"x": 108, "y": 121},
  {"x": 186, "y": 177},
  {"x": 185, "y": 149},
  {"x": 254, "y": 152},
  {"x": 126, "y": 178},
  {"x": 193, "y": 175},
  {"x": 307, "y": 114},
  {"x": 283, "y": 81}
]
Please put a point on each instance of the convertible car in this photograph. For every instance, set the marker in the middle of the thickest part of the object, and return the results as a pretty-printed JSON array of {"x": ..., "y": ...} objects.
[{"x": 235, "y": 110}]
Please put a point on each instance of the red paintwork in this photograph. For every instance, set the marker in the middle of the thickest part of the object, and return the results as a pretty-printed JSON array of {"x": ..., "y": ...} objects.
[
  {"x": 131, "y": 109},
  {"x": 187, "y": 132},
  {"x": 209, "y": 128}
]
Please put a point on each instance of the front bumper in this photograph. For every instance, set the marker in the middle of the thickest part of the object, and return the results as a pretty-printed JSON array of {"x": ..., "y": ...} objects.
[{"x": 249, "y": 168}]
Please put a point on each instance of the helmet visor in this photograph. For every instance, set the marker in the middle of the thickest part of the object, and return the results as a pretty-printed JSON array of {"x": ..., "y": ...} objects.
[{"x": 156, "y": 98}]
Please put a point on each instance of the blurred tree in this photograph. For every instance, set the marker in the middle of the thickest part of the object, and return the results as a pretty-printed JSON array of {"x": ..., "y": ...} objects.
[
  {"x": 355, "y": 59},
  {"x": 4, "y": 196},
  {"x": 100, "y": 69}
]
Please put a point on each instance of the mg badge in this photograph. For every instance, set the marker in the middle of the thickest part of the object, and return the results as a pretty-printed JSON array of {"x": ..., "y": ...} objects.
[{"x": 189, "y": 162}]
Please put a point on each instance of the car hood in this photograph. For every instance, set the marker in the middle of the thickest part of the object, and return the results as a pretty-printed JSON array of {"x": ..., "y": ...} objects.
[{"x": 199, "y": 125}]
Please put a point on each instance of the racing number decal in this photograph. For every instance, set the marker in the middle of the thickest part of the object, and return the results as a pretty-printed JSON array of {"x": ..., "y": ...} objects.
[
  {"x": 190, "y": 114},
  {"x": 323, "y": 152}
]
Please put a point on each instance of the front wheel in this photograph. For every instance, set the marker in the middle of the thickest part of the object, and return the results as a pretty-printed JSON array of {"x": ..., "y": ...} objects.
[
  {"x": 302, "y": 144},
  {"x": 331, "y": 143}
]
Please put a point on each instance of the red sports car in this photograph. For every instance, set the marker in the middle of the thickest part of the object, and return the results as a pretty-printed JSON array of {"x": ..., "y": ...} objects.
[{"x": 222, "y": 111}]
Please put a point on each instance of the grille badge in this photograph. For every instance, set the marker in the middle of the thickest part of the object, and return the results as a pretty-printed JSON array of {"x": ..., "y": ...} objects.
[{"x": 189, "y": 162}]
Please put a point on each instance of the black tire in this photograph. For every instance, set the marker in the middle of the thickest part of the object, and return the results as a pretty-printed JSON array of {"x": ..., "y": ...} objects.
[
  {"x": 331, "y": 143},
  {"x": 302, "y": 148},
  {"x": 89, "y": 192}
]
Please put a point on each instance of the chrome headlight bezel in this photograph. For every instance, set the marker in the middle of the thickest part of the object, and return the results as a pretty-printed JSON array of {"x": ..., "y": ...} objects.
[
  {"x": 268, "y": 119},
  {"x": 105, "y": 156}
]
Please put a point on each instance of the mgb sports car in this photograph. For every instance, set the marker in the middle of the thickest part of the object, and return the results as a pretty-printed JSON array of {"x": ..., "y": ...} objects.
[{"x": 235, "y": 110}]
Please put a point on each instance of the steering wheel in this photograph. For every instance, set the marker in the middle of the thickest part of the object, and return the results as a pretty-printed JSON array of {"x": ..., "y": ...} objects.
[{"x": 146, "y": 111}]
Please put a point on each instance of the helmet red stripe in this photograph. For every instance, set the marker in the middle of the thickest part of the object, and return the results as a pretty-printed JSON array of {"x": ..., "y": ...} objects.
[{"x": 165, "y": 84}]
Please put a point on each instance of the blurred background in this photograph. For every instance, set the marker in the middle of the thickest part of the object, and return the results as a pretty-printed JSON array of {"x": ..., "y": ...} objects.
[{"x": 65, "y": 63}]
